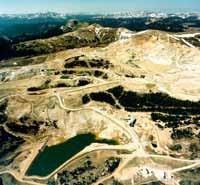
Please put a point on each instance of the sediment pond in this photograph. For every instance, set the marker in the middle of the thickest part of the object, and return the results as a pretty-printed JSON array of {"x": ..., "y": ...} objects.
[{"x": 52, "y": 157}]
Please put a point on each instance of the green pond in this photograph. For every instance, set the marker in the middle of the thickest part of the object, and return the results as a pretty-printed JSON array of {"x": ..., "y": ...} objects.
[{"x": 52, "y": 157}]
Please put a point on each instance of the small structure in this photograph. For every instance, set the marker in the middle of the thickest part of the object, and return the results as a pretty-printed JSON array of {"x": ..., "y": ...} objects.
[{"x": 132, "y": 121}]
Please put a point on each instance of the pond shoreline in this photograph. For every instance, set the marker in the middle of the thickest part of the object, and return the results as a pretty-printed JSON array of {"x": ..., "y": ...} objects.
[{"x": 52, "y": 157}]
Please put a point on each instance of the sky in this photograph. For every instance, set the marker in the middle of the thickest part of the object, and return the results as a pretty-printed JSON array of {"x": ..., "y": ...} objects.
[{"x": 97, "y": 6}]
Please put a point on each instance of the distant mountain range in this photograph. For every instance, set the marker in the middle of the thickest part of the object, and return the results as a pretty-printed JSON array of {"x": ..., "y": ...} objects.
[
  {"x": 117, "y": 14},
  {"x": 16, "y": 29},
  {"x": 15, "y": 25}
]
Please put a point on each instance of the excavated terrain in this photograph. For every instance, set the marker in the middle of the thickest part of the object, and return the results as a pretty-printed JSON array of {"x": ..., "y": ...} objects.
[{"x": 119, "y": 108}]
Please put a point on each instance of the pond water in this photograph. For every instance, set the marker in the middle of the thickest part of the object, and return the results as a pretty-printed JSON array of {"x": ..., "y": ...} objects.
[{"x": 54, "y": 156}]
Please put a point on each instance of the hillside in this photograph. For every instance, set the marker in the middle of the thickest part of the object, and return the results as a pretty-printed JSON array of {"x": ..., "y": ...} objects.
[
  {"x": 91, "y": 36},
  {"x": 101, "y": 106}
]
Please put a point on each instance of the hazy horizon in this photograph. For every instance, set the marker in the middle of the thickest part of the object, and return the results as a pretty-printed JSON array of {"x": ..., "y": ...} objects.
[{"x": 96, "y": 6}]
